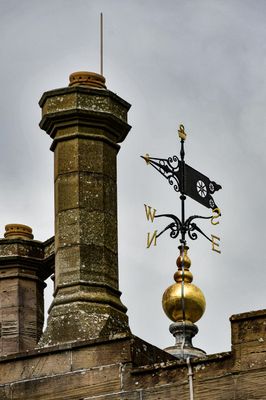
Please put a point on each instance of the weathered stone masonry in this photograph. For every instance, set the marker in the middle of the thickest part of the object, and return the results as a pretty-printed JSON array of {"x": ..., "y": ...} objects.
[
  {"x": 87, "y": 351},
  {"x": 130, "y": 369},
  {"x": 24, "y": 266},
  {"x": 86, "y": 122}
]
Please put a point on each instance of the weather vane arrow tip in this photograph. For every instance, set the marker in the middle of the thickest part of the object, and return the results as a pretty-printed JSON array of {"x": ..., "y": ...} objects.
[{"x": 146, "y": 158}]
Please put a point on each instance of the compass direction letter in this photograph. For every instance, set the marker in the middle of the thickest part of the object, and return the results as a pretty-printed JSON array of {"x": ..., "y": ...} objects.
[
  {"x": 218, "y": 214},
  {"x": 215, "y": 245},
  {"x": 151, "y": 239},
  {"x": 150, "y": 212}
]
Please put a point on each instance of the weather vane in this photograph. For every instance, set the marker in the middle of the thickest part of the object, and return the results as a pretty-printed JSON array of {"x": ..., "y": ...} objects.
[
  {"x": 188, "y": 182},
  {"x": 183, "y": 302}
]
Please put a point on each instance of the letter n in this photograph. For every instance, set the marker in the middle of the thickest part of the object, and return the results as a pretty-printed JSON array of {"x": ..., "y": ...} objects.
[{"x": 151, "y": 239}]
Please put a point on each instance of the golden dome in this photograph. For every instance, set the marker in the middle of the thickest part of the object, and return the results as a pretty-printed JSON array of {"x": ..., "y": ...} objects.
[{"x": 193, "y": 301}]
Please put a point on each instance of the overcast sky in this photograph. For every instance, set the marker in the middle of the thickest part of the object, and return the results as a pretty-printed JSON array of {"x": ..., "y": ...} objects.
[{"x": 201, "y": 63}]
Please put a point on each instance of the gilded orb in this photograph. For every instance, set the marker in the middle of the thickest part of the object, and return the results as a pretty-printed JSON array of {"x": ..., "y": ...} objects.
[
  {"x": 194, "y": 302},
  {"x": 192, "y": 306}
]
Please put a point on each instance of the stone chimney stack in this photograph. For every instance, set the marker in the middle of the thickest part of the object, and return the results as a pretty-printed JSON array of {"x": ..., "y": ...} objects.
[
  {"x": 22, "y": 275},
  {"x": 86, "y": 122}
]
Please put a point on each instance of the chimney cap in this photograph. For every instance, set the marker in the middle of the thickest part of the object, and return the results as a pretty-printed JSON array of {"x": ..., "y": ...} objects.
[
  {"x": 84, "y": 78},
  {"x": 18, "y": 231}
]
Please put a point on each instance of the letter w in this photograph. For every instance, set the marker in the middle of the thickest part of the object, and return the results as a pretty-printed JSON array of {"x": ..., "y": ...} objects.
[{"x": 150, "y": 213}]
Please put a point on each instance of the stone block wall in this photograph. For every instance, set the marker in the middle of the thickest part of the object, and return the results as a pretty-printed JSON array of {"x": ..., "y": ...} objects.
[{"x": 130, "y": 369}]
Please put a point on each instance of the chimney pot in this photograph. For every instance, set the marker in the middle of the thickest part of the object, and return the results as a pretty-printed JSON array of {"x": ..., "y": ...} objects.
[
  {"x": 18, "y": 231},
  {"x": 90, "y": 79}
]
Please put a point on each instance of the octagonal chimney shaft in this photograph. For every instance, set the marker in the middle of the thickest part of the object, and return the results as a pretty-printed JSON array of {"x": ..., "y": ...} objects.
[{"x": 86, "y": 122}]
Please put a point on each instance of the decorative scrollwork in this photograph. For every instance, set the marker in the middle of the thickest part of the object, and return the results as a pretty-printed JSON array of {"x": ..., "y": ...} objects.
[
  {"x": 169, "y": 168},
  {"x": 173, "y": 181},
  {"x": 191, "y": 228},
  {"x": 175, "y": 227},
  {"x": 173, "y": 162},
  {"x": 188, "y": 227}
]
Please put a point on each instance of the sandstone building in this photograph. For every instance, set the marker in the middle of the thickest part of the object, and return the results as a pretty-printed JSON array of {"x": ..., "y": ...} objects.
[{"x": 87, "y": 350}]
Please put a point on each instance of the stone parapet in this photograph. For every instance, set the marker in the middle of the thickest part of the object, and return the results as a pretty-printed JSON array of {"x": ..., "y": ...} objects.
[
  {"x": 249, "y": 339},
  {"x": 129, "y": 368}
]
